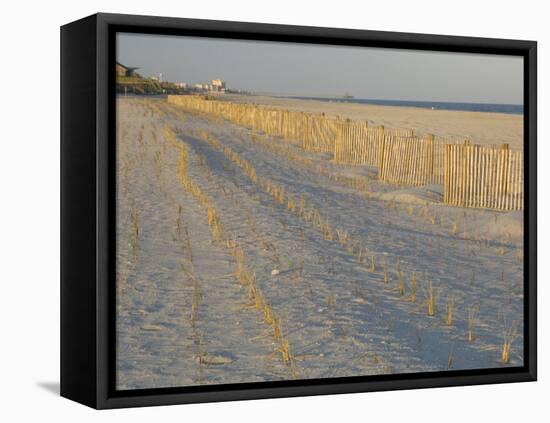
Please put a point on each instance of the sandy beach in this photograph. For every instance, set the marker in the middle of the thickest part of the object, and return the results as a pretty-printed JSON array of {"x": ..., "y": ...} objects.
[
  {"x": 481, "y": 128},
  {"x": 386, "y": 280}
]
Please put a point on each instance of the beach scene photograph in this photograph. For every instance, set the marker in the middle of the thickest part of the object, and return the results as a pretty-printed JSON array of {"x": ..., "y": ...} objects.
[{"x": 290, "y": 211}]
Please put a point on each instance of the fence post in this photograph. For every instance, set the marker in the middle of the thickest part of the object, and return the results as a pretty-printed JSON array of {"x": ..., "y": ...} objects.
[
  {"x": 430, "y": 153},
  {"x": 506, "y": 153},
  {"x": 337, "y": 143},
  {"x": 446, "y": 173},
  {"x": 381, "y": 152}
]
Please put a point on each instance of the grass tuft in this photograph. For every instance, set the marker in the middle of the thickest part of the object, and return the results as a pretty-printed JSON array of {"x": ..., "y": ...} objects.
[
  {"x": 506, "y": 347},
  {"x": 431, "y": 299},
  {"x": 470, "y": 323},
  {"x": 413, "y": 287},
  {"x": 449, "y": 315},
  {"x": 401, "y": 279}
]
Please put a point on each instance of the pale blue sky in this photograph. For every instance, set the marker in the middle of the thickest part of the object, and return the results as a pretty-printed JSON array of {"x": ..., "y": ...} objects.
[{"x": 327, "y": 71}]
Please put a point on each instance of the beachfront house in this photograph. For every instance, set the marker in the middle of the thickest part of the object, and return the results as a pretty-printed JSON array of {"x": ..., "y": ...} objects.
[{"x": 124, "y": 71}]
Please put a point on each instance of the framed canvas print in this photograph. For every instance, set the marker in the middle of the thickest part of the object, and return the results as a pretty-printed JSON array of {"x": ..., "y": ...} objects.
[{"x": 255, "y": 211}]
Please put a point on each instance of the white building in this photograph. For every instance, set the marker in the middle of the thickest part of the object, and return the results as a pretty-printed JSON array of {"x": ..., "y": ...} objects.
[{"x": 218, "y": 85}]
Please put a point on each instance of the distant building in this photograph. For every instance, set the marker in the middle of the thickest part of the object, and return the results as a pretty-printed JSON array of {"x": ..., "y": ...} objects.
[
  {"x": 181, "y": 85},
  {"x": 218, "y": 85},
  {"x": 122, "y": 70}
]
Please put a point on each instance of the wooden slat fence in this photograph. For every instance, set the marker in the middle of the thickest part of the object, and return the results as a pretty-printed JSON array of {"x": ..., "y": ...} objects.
[
  {"x": 484, "y": 176},
  {"x": 472, "y": 175},
  {"x": 320, "y": 134},
  {"x": 411, "y": 160},
  {"x": 315, "y": 132},
  {"x": 356, "y": 143}
]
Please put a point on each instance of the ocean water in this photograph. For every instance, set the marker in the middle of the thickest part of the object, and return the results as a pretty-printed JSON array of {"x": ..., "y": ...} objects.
[{"x": 515, "y": 109}]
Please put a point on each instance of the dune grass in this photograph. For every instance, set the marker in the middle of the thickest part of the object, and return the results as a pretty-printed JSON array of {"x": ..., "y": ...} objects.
[{"x": 245, "y": 276}]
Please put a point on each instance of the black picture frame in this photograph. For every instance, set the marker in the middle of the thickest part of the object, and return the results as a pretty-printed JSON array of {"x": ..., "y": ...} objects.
[{"x": 87, "y": 209}]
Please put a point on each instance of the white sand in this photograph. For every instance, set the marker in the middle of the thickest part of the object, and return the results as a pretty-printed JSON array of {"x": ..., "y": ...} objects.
[
  {"x": 481, "y": 128},
  {"x": 340, "y": 318}
]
